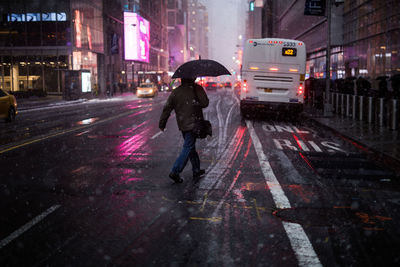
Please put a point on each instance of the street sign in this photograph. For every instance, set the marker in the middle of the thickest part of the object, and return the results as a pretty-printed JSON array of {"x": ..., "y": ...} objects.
[{"x": 314, "y": 8}]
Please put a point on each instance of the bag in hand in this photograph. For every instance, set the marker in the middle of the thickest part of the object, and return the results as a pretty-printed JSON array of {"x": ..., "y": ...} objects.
[{"x": 202, "y": 128}]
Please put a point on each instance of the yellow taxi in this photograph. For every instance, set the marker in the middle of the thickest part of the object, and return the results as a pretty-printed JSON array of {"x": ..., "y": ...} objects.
[
  {"x": 8, "y": 106},
  {"x": 146, "y": 90}
]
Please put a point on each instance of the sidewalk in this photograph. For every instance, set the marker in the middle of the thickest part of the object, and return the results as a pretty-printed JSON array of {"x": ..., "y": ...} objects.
[
  {"x": 56, "y": 100},
  {"x": 39, "y": 102},
  {"x": 380, "y": 140}
]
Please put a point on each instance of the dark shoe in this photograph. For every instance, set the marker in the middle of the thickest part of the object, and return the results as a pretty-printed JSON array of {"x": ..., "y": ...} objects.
[
  {"x": 198, "y": 173},
  {"x": 175, "y": 177}
]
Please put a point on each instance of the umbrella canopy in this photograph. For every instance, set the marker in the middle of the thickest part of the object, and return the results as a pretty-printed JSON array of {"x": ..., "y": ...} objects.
[
  {"x": 200, "y": 68},
  {"x": 381, "y": 78}
]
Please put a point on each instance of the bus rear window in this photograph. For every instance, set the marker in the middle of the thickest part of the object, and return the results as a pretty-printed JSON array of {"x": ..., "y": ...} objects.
[{"x": 289, "y": 52}]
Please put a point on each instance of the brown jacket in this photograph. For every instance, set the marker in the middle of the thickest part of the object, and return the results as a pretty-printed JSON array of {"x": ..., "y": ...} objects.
[{"x": 186, "y": 108}]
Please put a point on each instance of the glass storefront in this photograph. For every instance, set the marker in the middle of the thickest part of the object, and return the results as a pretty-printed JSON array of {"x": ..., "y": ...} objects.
[
  {"x": 316, "y": 64},
  {"x": 21, "y": 73},
  {"x": 372, "y": 38}
]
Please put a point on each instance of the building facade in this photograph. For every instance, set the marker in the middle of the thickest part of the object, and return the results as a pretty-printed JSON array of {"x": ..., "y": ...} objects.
[
  {"x": 155, "y": 12},
  {"x": 371, "y": 37},
  {"x": 177, "y": 33},
  {"x": 197, "y": 30},
  {"x": 41, "y": 39},
  {"x": 364, "y": 35}
]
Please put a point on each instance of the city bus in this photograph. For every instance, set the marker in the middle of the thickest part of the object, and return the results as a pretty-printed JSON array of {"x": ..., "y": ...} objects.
[{"x": 273, "y": 72}]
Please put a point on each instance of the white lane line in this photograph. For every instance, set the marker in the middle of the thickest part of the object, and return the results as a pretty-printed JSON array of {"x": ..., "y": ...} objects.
[
  {"x": 27, "y": 226},
  {"x": 82, "y": 133},
  {"x": 157, "y": 134},
  {"x": 227, "y": 121},
  {"x": 299, "y": 241},
  {"x": 215, "y": 174},
  {"x": 220, "y": 129}
]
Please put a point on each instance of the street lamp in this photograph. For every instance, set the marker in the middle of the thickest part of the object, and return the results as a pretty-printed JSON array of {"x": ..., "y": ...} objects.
[{"x": 327, "y": 105}]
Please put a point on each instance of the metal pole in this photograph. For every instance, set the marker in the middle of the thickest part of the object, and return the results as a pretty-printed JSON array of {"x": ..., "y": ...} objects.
[
  {"x": 354, "y": 107},
  {"x": 347, "y": 105},
  {"x": 342, "y": 104},
  {"x": 327, "y": 105},
  {"x": 370, "y": 109},
  {"x": 361, "y": 98},
  {"x": 380, "y": 111},
  {"x": 337, "y": 103},
  {"x": 394, "y": 115}
]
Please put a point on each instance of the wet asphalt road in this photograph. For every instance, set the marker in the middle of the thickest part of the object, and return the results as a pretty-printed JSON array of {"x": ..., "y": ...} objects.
[{"x": 87, "y": 185}]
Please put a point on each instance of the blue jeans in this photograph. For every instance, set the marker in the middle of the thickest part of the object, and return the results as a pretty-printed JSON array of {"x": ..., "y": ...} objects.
[{"x": 188, "y": 152}]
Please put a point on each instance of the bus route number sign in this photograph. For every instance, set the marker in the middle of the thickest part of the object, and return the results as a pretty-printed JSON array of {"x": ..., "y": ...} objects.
[{"x": 289, "y": 52}]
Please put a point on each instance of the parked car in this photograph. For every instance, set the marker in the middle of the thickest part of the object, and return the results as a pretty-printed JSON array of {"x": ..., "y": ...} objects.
[
  {"x": 211, "y": 86},
  {"x": 8, "y": 106},
  {"x": 147, "y": 90}
]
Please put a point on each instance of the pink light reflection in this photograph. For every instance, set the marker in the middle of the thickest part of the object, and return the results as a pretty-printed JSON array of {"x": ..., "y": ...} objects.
[{"x": 130, "y": 146}]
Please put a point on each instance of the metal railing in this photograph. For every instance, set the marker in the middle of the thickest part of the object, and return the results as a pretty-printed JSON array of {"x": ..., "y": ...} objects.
[{"x": 381, "y": 111}]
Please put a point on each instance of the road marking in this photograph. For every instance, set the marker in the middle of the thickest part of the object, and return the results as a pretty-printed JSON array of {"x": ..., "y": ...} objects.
[
  {"x": 228, "y": 118},
  {"x": 216, "y": 173},
  {"x": 255, "y": 207},
  {"x": 204, "y": 202},
  {"x": 220, "y": 128},
  {"x": 215, "y": 203},
  {"x": 299, "y": 241},
  {"x": 27, "y": 226},
  {"x": 212, "y": 219},
  {"x": 43, "y": 137},
  {"x": 157, "y": 134},
  {"x": 227, "y": 192},
  {"x": 82, "y": 133}
]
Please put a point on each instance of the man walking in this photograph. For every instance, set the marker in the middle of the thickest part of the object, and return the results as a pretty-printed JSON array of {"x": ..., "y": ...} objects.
[{"x": 187, "y": 111}]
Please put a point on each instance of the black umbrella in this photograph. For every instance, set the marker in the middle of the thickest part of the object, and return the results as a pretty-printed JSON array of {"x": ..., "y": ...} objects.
[
  {"x": 382, "y": 78},
  {"x": 200, "y": 68}
]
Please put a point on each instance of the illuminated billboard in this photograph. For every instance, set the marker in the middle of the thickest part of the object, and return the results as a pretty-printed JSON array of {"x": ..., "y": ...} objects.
[{"x": 137, "y": 37}]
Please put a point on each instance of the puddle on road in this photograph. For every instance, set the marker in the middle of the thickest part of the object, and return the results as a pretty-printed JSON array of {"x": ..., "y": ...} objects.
[{"x": 87, "y": 121}]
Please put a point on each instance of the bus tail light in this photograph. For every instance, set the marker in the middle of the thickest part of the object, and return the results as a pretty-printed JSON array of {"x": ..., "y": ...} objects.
[
  {"x": 273, "y": 69},
  {"x": 300, "y": 89},
  {"x": 245, "y": 86}
]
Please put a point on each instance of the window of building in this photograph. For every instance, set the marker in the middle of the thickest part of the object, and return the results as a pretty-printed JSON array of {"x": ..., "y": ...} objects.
[
  {"x": 171, "y": 18},
  {"x": 35, "y": 72}
]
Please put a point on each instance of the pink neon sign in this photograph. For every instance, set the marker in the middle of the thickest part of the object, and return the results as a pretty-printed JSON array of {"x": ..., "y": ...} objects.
[
  {"x": 78, "y": 29},
  {"x": 137, "y": 37}
]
